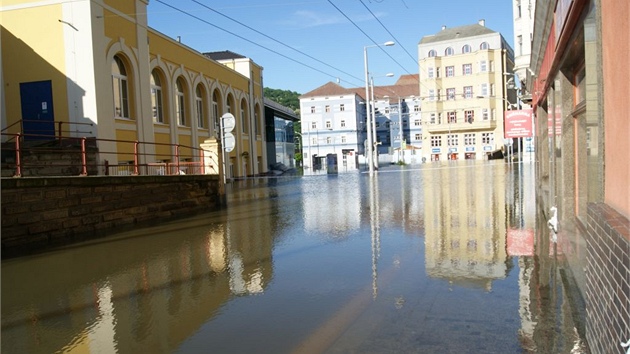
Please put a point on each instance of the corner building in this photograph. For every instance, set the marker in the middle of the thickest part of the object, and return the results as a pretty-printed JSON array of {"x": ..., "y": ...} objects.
[
  {"x": 463, "y": 90},
  {"x": 105, "y": 74}
]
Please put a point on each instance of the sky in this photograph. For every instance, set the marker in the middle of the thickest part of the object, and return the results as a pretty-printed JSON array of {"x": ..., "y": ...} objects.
[{"x": 303, "y": 45}]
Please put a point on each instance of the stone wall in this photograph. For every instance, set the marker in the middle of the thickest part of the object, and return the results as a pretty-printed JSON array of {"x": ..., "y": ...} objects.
[
  {"x": 42, "y": 213},
  {"x": 607, "y": 279}
]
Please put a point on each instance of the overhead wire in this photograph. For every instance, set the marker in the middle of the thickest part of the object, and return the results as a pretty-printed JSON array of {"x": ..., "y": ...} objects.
[
  {"x": 254, "y": 43},
  {"x": 275, "y": 40}
]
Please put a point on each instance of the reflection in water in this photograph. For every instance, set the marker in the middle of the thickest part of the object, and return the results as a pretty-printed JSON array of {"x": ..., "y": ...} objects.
[{"x": 413, "y": 260}]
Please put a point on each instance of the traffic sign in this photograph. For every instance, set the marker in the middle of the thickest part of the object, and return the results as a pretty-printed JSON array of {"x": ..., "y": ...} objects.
[
  {"x": 229, "y": 142},
  {"x": 228, "y": 122}
]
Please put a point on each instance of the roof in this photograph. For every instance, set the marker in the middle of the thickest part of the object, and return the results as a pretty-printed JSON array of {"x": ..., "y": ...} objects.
[
  {"x": 328, "y": 89},
  {"x": 223, "y": 55},
  {"x": 457, "y": 32},
  {"x": 406, "y": 86},
  {"x": 288, "y": 112}
]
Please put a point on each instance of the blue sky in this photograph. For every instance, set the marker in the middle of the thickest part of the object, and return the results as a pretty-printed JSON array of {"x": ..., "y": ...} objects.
[{"x": 329, "y": 35}]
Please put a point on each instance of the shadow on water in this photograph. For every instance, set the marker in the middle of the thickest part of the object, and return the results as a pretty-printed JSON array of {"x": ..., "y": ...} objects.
[{"x": 438, "y": 258}]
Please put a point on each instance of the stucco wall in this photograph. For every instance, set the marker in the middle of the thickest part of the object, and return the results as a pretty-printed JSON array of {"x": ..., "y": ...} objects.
[{"x": 615, "y": 53}]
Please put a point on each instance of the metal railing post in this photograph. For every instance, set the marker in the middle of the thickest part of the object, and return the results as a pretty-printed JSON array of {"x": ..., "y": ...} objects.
[
  {"x": 18, "y": 162},
  {"x": 202, "y": 162},
  {"x": 135, "y": 158},
  {"x": 60, "y": 132},
  {"x": 83, "y": 158},
  {"x": 177, "y": 157}
]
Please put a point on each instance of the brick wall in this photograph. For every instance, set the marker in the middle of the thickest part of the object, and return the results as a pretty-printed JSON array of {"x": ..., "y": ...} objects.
[
  {"x": 607, "y": 279},
  {"x": 41, "y": 213}
]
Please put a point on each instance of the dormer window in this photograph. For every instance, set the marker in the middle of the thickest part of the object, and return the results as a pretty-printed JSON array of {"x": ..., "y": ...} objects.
[
  {"x": 484, "y": 46},
  {"x": 466, "y": 48},
  {"x": 449, "y": 51},
  {"x": 432, "y": 53}
]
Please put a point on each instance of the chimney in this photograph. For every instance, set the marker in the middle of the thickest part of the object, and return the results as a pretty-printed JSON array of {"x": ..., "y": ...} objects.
[
  {"x": 482, "y": 22},
  {"x": 443, "y": 27}
]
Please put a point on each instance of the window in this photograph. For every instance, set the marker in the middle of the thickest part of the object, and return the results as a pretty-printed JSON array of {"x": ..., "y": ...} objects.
[
  {"x": 452, "y": 140},
  {"x": 327, "y": 108},
  {"x": 228, "y": 104},
  {"x": 484, "y": 90},
  {"x": 313, "y": 125},
  {"x": 432, "y": 53},
  {"x": 469, "y": 139},
  {"x": 416, "y": 108},
  {"x": 468, "y": 92},
  {"x": 180, "y": 102},
  {"x": 450, "y": 94},
  {"x": 450, "y": 71},
  {"x": 487, "y": 138},
  {"x": 199, "y": 107},
  {"x": 244, "y": 117},
  {"x": 484, "y": 46},
  {"x": 437, "y": 72},
  {"x": 343, "y": 139},
  {"x": 215, "y": 109},
  {"x": 343, "y": 123},
  {"x": 416, "y": 122},
  {"x": 432, "y": 118},
  {"x": 329, "y": 140},
  {"x": 469, "y": 115},
  {"x": 439, "y": 118},
  {"x": 467, "y": 69},
  {"x": 328, "y": 124},
  {"x": 452, "y": 117},
  {"x": 431, "y": 72},
  {"x": 121, "y": 94},
  {"x": 417, "y": 136},
  {"x": 432, "y": 95},
  {"x": 312, "y": 109},
  {"x": 314, "y": 141},
  {"x": 518, "y": 8},
  {"x": 436, "y": 141},
  {"x": 256, "y": 121},
  {"x": 449, "y": 51},
  {"x": 156, "y": 98},
  {"x": 466, "y": 48},
  {"x": 484, "y": 114},
  {"x": 387, "y": 110},
  {"x": 342, "y": 107},
  {"x": 483, "y": 66},
  {"x": 519, "y": 43}
]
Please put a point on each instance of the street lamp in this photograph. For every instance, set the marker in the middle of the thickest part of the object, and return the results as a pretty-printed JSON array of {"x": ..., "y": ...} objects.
[
  {"x": 367, "y": 111},
  {"x": 375, "y": 150}
]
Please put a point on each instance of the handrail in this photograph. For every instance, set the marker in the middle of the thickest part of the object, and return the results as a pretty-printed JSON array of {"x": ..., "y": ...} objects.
[
  {"x": 191, "y": 159},
  {"x": 54, "y": 122}
]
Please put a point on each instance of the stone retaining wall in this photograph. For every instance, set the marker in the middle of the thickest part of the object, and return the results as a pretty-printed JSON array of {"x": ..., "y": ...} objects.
[{"x": 41, "y": 213}]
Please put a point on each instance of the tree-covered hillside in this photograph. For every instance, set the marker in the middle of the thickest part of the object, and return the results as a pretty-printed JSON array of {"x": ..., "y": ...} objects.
[{"x": 284, "y": 97}]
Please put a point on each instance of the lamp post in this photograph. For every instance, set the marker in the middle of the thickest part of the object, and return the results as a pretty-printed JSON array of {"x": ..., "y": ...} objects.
[{"x": 370, "y": 145}]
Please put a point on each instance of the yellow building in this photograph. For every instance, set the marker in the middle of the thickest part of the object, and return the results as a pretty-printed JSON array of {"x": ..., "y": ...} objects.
[
  {"x": 463, "y": 86},
  {"x": 94, "y": 68}
]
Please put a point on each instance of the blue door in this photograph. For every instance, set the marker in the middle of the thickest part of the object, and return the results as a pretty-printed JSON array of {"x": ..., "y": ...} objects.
[{"x": 38, "y": 120}]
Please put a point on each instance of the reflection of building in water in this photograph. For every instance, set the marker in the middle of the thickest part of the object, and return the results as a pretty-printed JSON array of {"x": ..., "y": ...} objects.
[
  {"x": 465, "y": 224},
  {"x": 137, "y": 295},
  {"x": 331, "y": 208}
]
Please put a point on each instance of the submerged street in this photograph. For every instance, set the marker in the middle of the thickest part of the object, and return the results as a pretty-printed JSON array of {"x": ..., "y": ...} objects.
[{"x": 446, "y": 257}]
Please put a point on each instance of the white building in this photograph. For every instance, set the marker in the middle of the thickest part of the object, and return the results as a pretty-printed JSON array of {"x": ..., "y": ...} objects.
[
  {"x": 463, "y": 87},
  {"x": 334, "y": 124}
]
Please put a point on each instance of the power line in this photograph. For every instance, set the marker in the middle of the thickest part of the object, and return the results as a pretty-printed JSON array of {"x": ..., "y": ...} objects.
[
  {"x": 249, "y": 40},
  {"x": 275, "y": 40}
]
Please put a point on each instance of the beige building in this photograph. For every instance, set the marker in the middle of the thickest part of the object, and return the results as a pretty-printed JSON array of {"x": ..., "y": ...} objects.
[{"x": 463, "y": 88}]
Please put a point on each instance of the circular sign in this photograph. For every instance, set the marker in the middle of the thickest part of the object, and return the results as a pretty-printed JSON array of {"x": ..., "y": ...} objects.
[
  {"x": 228, "y": 122},
  {"x": 229, "y": 142}
]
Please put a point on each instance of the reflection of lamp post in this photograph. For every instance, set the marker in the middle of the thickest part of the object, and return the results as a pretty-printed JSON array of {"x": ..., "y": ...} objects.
[{"x": 367, "y": 98}]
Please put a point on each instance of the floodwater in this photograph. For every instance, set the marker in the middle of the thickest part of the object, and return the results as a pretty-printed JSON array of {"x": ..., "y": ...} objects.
[{"x": 438, "y": 258}]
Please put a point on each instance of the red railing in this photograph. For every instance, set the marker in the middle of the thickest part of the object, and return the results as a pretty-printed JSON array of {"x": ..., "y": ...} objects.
[{"x": 69, "y": 156}]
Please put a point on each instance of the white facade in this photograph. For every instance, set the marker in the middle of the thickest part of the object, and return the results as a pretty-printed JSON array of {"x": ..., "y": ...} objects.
[
  {"x": 332, "y": 124},
  {"x": 523, "y": 14}
]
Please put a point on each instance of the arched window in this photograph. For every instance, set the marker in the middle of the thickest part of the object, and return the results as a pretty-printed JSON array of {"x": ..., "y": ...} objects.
[
  {"x": 180, "y": 102},
  {"x": 484, "y": 45},
  {"x": 121, "y": 90},
  {"x": 229, "y": 104},
  {"x": 215, "y": 109},
  {"x": 448, "y": 51},
  {"x": 199, "y": 107},
  {"x": 466, "y": 48},
  {"x": 156, "y": 97},
  {"x": 432, "y": 53},
  {"x": 244, "y": 117}
]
